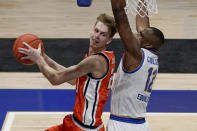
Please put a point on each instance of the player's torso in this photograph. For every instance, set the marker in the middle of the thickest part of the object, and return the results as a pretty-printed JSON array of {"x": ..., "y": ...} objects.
[
  {"x": 92, "y": 94},
  {"x": 131, "y": 90}
]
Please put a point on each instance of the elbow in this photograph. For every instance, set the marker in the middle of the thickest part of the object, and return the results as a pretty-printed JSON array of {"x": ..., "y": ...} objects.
[
  {"x": 53, "y": 79},
  {"x": 54, "y": 83},
  {"x": 72, "y": 83}
]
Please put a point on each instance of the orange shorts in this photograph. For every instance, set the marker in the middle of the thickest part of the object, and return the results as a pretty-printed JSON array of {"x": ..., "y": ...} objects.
[{"x": 68, "y": 125}]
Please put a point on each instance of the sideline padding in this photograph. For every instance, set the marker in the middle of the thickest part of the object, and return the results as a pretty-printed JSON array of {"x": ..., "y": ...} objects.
[{"x": 176, "y": 56}]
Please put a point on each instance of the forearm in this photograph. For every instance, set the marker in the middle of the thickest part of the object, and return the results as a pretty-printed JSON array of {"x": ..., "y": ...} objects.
[
  {"x": 121, "y": 19},
  {"x": 142, "y": 22},
  {"x": 52, "y": 63},
  {"x": 56, "y": 67},
  {"x": 117, "y": 6},
  {"x": 47, "y": 71},
  {"x": 123, "y": 26}
]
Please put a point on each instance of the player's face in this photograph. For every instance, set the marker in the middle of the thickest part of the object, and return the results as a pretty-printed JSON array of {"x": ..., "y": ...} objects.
[
  {"x": 100, "y": 36},
  {"x": 145, "y": 37}
]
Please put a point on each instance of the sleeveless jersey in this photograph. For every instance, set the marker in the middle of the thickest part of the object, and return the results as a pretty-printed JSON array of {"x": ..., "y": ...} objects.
[
  {"x": 131, "y": 90},
  {"x": 92, "y": 94}
]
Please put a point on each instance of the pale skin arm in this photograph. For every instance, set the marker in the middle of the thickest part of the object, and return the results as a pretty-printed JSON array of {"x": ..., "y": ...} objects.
[
  {"x": 132, "y": 54},
  {"x": 52, "y": 63},
  {"x": 95, "y": 64},
  {"x": 56, "y": 66}
]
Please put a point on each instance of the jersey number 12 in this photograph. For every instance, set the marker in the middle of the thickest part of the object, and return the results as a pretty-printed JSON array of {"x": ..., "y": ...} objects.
[{"x": 151, "y": 77}]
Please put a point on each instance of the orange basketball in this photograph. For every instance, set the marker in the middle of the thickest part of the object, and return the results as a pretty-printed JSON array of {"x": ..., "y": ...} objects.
[{"x": 31, "y": 40}]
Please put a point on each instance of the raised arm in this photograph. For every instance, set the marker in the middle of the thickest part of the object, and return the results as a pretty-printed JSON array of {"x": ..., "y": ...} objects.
[
  {"x": 142, "y": 22},
  {"x": 132, "y": 53},
  {"x": 129, "y": 40}
]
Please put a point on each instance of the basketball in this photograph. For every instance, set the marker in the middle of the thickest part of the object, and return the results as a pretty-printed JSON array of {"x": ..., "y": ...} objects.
[{"x": 31, "y": 40}]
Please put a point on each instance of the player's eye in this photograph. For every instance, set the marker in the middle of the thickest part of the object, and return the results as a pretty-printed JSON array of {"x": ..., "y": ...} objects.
[
  {"x": 104, "y": 35},
  {"x": 96, "y": 30}
]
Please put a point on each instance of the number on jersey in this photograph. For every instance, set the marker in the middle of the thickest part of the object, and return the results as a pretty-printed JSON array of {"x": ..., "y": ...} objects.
[{"x": 151, "y": 77}]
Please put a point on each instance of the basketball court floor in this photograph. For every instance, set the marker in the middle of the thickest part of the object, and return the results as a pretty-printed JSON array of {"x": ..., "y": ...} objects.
[{"x": 30, "y": 103}]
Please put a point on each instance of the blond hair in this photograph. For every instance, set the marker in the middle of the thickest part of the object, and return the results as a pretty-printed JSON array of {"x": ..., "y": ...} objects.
[{"x": 109, "y": 22}]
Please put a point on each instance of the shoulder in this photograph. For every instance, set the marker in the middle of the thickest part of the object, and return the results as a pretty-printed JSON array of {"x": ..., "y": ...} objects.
[
  {"x": 99, "y": 58},
  {"x": 133, "y": 56},
  {"x": 95, "y": 60},
  {"x": 97, "y": 65},
  {"x": 108, "y": 55}
]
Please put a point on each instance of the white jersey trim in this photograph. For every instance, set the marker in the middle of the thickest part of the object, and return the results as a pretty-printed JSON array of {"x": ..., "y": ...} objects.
[{"x": 89, "y": 109}]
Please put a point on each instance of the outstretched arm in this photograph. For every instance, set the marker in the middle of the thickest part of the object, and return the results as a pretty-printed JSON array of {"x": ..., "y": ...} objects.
[
  {"x": 129, "y": 40},
  {"x": 132, "y": 54},
  {"x": 142, "y": 22},
  {"x": 95, "y": 64},
  {"x": 56, "y": 66},
  {"x": 88, "y": 65},
  {"x": 52, "y": 63}
]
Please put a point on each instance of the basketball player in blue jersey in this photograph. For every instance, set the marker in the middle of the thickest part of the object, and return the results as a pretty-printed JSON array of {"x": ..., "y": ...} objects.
[{"x": 136, "y": 72}]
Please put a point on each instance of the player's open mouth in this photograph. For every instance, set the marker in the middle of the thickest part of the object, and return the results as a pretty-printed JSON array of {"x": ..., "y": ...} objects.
[{"x": 95, "y": 41}]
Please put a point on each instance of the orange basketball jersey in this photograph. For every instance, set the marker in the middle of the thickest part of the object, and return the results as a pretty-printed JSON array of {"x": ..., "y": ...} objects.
[{"x": 92, "y": 94}]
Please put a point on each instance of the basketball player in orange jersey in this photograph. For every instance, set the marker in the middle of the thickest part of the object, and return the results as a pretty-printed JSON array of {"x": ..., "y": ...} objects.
[
  {"x": 137, "y": 70},
  {"x": 93, "y": 77}
]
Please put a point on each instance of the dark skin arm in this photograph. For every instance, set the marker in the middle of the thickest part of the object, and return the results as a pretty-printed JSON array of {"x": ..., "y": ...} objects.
[
  {"x": 132, "y": 55},
  {"x": 142, "y": 22}
]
